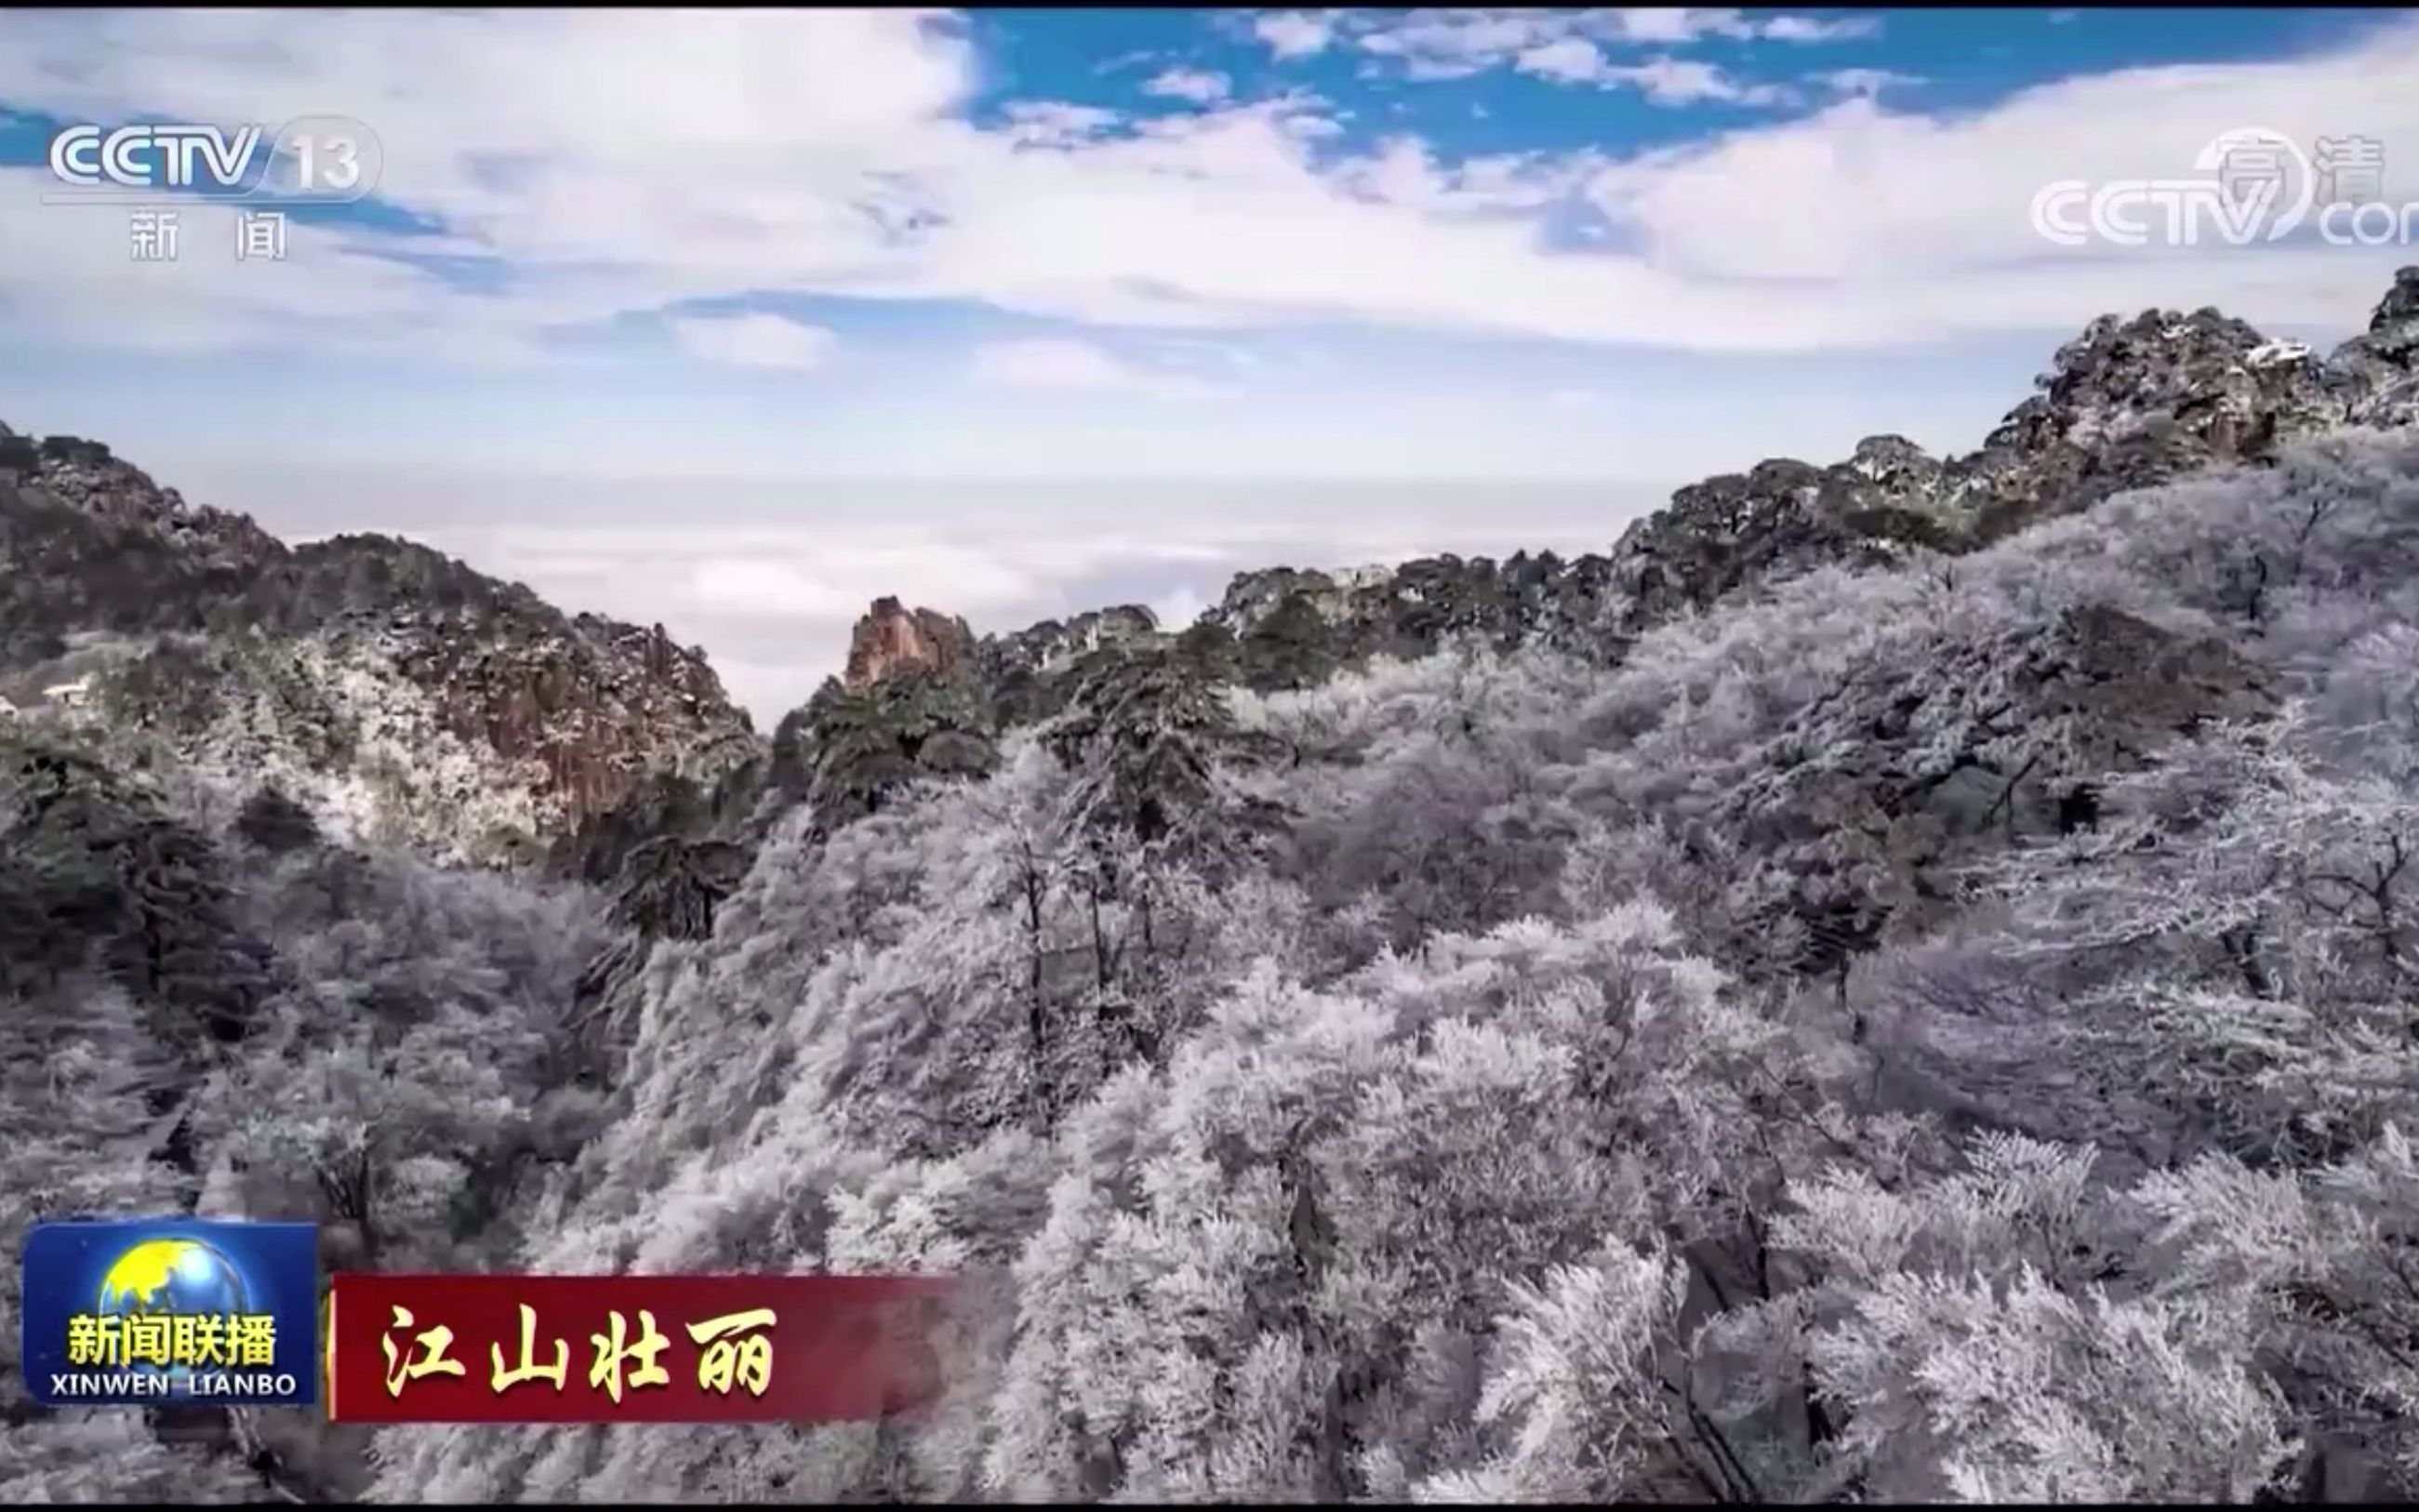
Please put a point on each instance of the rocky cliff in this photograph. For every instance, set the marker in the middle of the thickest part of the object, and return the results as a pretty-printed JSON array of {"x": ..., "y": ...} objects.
[
  {"x": 892, "y": 641},
  {"x": 394, "y": 691}
]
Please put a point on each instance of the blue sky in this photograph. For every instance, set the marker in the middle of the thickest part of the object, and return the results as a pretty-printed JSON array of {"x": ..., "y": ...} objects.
[{"x": 1545, "y": 265}]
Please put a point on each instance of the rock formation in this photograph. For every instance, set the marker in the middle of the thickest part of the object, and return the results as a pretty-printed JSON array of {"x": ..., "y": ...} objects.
[
  {"x": 890, "y": 641},
  {"x": 390, "y": 688}
]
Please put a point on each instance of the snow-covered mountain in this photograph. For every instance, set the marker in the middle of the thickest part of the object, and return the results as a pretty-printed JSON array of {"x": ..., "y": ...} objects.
[{"x": 1908, "y": 943}]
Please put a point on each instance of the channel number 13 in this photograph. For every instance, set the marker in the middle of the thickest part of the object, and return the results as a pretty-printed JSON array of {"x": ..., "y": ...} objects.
[{"x": 326, "y": 161}]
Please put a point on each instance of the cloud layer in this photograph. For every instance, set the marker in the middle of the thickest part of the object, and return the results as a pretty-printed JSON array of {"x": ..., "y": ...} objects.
[
  {"x": 757, "y": 341},
  {"x": 595, "y": 167},
  {"x": 773, "y": 595}
]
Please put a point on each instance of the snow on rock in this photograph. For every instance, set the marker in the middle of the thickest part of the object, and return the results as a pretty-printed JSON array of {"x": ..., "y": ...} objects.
[{"x": 2270, "y": 352}]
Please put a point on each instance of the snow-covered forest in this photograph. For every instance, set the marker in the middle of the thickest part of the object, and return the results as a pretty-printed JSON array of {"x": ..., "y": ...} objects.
[{"x": 1940, "y": 1031}]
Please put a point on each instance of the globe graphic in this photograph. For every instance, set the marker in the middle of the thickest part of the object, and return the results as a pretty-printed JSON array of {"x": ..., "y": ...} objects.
[{"x": 173, "y": 1275}]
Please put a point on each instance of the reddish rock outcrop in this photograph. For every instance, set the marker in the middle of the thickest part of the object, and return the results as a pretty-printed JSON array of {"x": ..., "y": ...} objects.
[{"x": 891, "y": 640}]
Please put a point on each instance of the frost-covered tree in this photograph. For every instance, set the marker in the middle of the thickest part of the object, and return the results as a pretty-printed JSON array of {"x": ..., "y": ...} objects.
[
  {"x": 81, "y": 1084},
  {"x": 1573, "y": 1390},
  {"x": 2327, "y": 1256},
  {"x": 95, "y": 872},
  {"x": 414, "y": 1056},
  {"x": 2223, "y": 960},
  {"x": 1328, "y": 1211},
  {"x": 111, "y": 1455},
  {"x": 1418, "y": 795},
  {"x": 1990, "y": 1335}
]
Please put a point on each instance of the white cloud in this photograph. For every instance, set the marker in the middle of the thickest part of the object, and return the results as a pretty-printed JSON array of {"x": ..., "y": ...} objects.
[
  {"x": 756, "y": 341},
  {"x": 1670, "y": 81},
  {"x": 1455, "y": 44},
  {"x": 1859, "y": 197},
  {"x": 1064, "y": 365},
  {"x": 1866, "y": 82},
  {"x": 825, "y": 152},
  {"x": 66, "y": 276},
  {"x": 1821, "y": 29},
  {"x": 1178, "y": 611},
  {"x": 1198, "y": 85},
  {"x": 1404, "y": 172},
  {"x": 743, "y": 159},
  {"x": 1556, "y": 43},
  {"x": 1293, "y": 34},
  {"x": 783, "y": 577},
  {"x": 1664, "y": 81},
  {"x": 1672, "y": 24},
  {"x": 1047, "y": 363},
  {"x": 1050, "y": 123},
  {"x": 1567, "y": 59}
]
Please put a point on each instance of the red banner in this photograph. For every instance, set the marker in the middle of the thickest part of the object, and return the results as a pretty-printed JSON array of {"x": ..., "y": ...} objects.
[{"x": 630, "y": 1349}]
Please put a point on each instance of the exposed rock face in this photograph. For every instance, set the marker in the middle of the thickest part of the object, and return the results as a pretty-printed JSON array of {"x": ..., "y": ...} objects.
[
  {"x": 2131, "y": 402},
  {"x": 88, "y": 544},
  {"x": 1283, "y": 628},
  {"x": 1779, "y": 519},
  {"x": 891, "y": 640},
  {"x": 2126, "y": 404},
  {"x": 1051, "y": 646},
  {"x": 1022, "y": 672},
  {"x": 2376, "y": 376},
  {"x": 386, "y": 686},
  {"x": 102, "y": 487}
]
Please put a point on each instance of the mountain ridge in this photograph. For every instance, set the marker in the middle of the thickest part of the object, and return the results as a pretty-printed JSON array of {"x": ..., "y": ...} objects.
[
  {"x": 2129, "y": 401},
  {"x": 404, "y": 693}
]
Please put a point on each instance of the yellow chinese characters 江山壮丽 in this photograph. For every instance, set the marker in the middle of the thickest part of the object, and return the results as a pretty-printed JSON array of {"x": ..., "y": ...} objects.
[{"x": 734, "y": 1350}]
